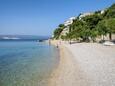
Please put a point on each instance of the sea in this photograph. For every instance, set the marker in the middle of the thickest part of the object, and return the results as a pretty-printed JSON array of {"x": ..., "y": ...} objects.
[{"x": 27, "y": 63}]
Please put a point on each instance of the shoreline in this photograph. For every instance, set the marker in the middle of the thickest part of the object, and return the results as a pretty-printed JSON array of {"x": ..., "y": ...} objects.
[
  {"x": 84, "y": 64},
  {"x": 65, "y": 70}
]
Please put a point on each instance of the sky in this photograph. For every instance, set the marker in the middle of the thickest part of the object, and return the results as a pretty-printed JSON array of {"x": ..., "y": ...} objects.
[{"x": 41, "y": 17}]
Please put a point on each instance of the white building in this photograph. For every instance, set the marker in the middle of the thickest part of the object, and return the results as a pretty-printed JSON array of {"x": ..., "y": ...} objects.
[
  {"x": 84, "y": 15},
  {"x": 66, "y": 24},
  {"x": 102, "y": 11},
  {"x": 69, "y": 21}
]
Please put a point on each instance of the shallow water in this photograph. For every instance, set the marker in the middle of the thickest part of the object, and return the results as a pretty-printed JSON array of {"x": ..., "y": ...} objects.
[{"x": 26, "y": 63}]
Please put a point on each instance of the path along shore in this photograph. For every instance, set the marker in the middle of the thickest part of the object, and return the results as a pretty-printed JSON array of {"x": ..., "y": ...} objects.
[{"x": 84, "y": 64}]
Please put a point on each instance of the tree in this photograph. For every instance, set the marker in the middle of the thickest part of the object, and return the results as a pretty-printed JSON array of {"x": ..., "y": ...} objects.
[
  {"x": 63, "y": 37},
  {"x": 57, "y": 32},
  {"x": 105, "y": 27},
  {"x": 89, "y": 27},
  {"x": 76, "y": 29},
  {"x": 91, "y": 22},
  {"x": 110, "y": 23},
  {"x": 111, "y": 12},
  {"x": 102, "y": 28}
]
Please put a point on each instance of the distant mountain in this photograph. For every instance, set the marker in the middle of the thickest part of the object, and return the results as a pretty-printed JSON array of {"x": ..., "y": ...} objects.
[{"x": 23, "y": 37}]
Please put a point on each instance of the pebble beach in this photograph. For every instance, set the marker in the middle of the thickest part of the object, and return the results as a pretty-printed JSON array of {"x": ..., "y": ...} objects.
[{"x": 84, "y": 64}]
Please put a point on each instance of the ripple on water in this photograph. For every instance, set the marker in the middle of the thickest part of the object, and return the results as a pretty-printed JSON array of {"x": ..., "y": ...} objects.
[{"x": 26, "y": 63}]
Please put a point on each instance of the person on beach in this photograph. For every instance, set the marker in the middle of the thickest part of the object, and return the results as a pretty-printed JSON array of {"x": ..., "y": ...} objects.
[
  {"x": 57, "y": 46},
  {"x": 59, "y": 43}
]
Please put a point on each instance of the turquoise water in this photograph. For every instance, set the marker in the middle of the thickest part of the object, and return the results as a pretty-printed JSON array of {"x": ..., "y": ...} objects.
[{"x": 26, "y": 63}]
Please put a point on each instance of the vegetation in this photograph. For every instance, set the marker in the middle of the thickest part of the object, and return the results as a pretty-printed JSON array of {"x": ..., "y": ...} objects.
[
  {"x": 58, "y": 31},
  {"x": 88, "y": 28},
  {"x": 110, "y": 24}
]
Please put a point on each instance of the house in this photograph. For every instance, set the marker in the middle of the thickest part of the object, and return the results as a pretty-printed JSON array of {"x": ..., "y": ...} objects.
[
  {"x": 84, "y": 15},
  {"x": 66, "y": 24}
]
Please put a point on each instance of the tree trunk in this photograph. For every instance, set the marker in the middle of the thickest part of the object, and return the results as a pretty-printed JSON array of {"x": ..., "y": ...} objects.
[
  {"x": 110, "y": 36},
  {"x": 103, "y": 38},
  {"x": 70, "y": 41}
]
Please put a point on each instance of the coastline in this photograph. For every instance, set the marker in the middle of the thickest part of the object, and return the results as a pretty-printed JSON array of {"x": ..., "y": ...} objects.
[
  {"x": 84, "y": 64},
  {"x": 65, "y": 70}
]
